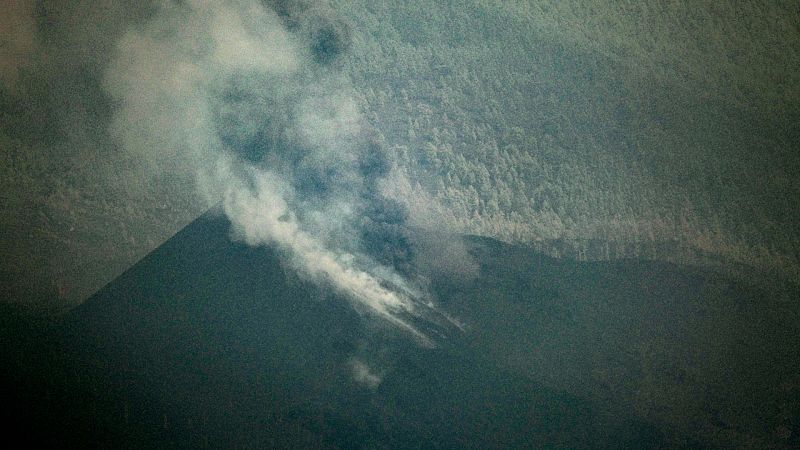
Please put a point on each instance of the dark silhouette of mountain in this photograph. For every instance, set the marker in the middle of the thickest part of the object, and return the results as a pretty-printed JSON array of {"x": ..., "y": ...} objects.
[{"x": 211, "y": 343}]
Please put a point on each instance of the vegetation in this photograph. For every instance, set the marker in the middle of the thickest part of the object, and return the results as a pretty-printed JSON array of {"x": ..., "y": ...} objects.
[
  {"x": 632, "y": 124},
  {"x": 595, "y": 130}
]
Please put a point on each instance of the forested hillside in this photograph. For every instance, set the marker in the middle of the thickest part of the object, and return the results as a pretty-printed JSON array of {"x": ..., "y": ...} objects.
[
  {"x": 667, "y": 130},
  {"x": 594, "y": 130}
]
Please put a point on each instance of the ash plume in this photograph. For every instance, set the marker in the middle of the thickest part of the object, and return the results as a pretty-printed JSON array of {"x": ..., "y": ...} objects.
[{"x": 246, "y": 95}]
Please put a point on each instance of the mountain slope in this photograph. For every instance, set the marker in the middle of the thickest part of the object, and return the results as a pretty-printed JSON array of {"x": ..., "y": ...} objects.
[
  {"x": 206, "y": 342},
  {"x": 236, "y": 350}
]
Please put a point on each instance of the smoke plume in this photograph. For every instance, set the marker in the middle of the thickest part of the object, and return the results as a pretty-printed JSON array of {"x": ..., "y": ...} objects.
[{"x": 246, "y": 95}]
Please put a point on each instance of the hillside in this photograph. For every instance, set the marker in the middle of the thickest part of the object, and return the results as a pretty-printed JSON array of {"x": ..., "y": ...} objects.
[
  {"x": 595, "y": 129},
  {"x": 207, "y": 342}
]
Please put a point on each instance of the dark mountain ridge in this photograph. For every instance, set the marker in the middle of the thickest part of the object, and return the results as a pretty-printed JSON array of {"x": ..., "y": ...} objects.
[{"x": 207, "y": 343}]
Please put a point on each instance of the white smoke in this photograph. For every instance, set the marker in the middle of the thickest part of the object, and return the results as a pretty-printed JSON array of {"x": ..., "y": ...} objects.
[
  {"x": 364, "y": 375},
  {"x": 260, "y": 215},
  {"x": 166, "y": 79}
]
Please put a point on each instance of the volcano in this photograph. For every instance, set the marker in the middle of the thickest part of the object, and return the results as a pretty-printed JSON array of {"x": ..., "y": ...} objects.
[{"x": 207, "y": 342}]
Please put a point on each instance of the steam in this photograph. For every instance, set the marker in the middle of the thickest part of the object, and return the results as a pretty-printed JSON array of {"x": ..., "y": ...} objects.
[
  {"x": 260, "y": 117},
  {"x": 259, "y": 216},
  {"x": 364, "y": 375}
]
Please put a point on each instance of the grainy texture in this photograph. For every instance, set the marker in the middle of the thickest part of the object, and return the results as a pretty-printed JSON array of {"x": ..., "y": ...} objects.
[{"x": 594, "y": 130}]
